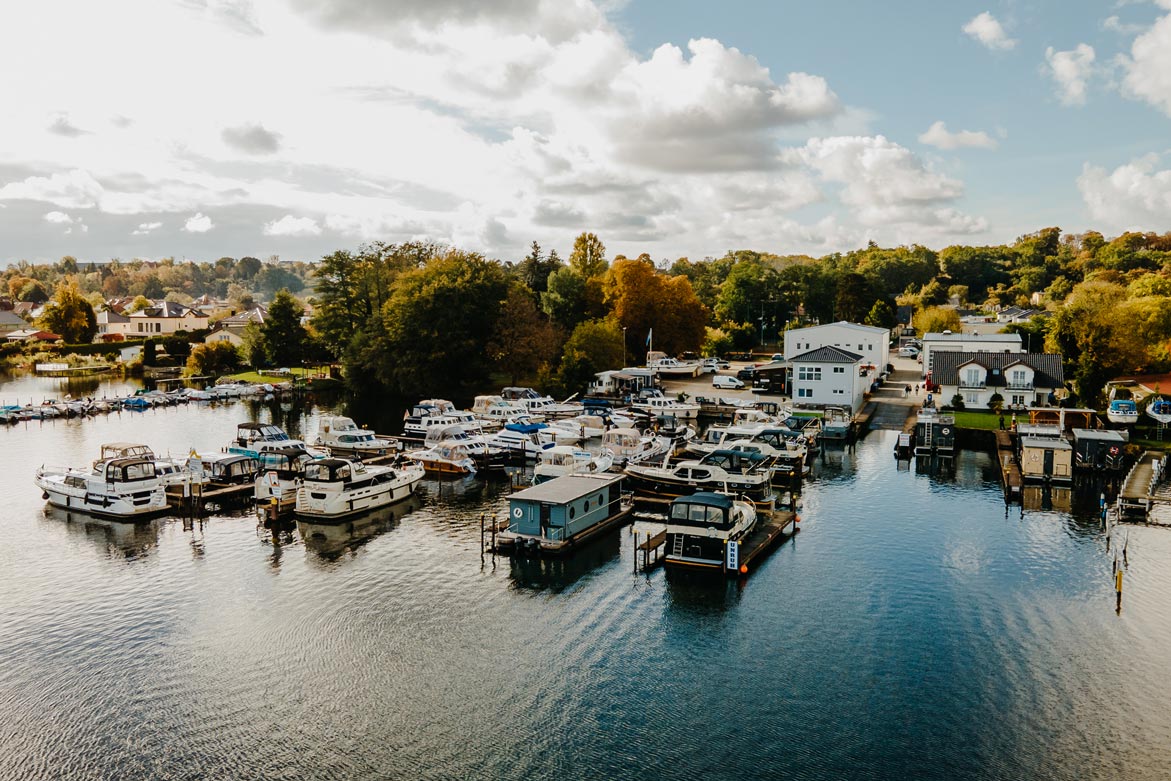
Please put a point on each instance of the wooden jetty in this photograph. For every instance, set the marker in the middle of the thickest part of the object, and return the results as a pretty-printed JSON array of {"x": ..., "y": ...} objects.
[
  {"x": 194, "y": 497},
  {"x": 772, "y": 527},
  {"x": 1010, "y": 470},
  {"x": 1145, "y": 492}
]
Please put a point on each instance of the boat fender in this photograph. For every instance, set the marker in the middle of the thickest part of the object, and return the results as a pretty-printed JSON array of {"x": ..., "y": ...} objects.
[
  {"x": 743, "y": 569},
  {"x": 1114, "y": 450},
  {"x": 45, "y": 495}
]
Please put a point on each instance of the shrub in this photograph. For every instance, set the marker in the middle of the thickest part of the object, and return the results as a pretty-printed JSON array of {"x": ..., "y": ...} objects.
[{"x": 957, "y": 402}]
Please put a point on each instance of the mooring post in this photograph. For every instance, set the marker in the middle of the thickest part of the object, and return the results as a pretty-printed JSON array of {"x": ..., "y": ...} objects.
[
  {"x": 635, "y": 551},
  {"x": 493, "y": 535},
  {"x": 1118, "y": 591},
  {"x": 481, "y": 539}
]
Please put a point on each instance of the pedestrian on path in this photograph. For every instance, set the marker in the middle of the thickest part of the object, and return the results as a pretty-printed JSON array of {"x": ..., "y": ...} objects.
[
  {"x": 906, "y": 390},
  {"x": 1002, "y": 421}
]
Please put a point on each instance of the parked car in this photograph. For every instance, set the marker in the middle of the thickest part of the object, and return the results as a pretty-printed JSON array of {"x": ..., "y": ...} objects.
[
  {"x": 747, "y": 373},
  {"x": 709, "y": 366},
  {"x": 908, "y": 352},
  {"x": 727, "y": 382},
  {"x": 777, "y": 357}
]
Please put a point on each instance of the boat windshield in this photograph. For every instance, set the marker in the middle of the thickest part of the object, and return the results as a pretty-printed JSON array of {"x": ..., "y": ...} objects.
[{"x": 698, "y": 514}]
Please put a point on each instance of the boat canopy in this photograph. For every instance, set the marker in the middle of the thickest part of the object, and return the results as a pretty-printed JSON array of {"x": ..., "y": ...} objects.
[
  {"x": 287, "y": 459},
  {"x": 332, "y": 470},
  {"x": 703, "y": 508},
  {"x": 130, "y": 470}
]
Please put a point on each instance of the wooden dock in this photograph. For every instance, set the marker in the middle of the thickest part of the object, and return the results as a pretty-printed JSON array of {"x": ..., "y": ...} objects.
[
  {"x": 195, "y": 497},
  {"x": 1145, "y": 490},
  {"x": 773, "y": 527},
  {"x": 1010, "y": 470}
]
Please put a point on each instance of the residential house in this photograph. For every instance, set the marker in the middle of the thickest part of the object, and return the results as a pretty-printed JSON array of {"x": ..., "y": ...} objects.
[
  {"x": 9, "y": 322},
  {"x": 1022, "y": 379},
  {"x": 828, "y": 376},
  {"x": 231, "y": 329},
  {"x": 113, "y": 326},
  {"x": 960, "y": 342},
  {"x": 166, "y": 317},
  {"x": 872, "y": 343},
  {"x": 31, "y": 335}
]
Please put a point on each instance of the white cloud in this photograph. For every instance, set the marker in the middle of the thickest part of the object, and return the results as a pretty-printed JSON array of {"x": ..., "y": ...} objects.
[
  {"x": 292, "y": 226},
  {"x": 58, "y": 218},
  {"x": 1148, "y": 68},
  {"x": 1071, "y": 69},
  {"x": 145, "y": 228},
  {"x": 940, "y": 137},
  {"x": 198, "y": 223},
  {"x": 985, "y": 29},
  {"x": 1116, "y": 25},
  {"x": 1133, "y": 196},
  {"x": 75, "y": 189}
]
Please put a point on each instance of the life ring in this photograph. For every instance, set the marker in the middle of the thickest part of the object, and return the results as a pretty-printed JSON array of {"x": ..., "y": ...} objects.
[
  {"x": 945, "y": 431},
  {"x": 1114, "y": 450},
  {"x": 517, "y": 512}
]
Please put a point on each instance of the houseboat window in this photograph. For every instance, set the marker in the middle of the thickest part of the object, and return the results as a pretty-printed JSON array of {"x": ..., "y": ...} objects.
[{"x": 572, "y": 512}]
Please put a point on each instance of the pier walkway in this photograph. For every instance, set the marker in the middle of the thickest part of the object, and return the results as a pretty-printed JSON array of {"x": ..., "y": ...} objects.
[
  {"x": 1145, "y": 491},
  {"x": 892, "y": 410}
]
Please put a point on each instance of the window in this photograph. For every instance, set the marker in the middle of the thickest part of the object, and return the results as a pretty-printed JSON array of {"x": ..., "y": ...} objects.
[
  {"x": 839, "y": 370},
  {"x": 1018, "y": 400},
  {"x": 838, "y": 391},
  {"x": 809, "y": 372},
  {"x": 972, "y": 376},
  {"x": 859, "y": 348},
  {"x": 971, "y": 398},
  {"x": 1019, "y": 378},
  {"x": 805, "y": 393}
]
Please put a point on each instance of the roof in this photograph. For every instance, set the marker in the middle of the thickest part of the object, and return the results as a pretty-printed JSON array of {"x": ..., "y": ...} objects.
[
  {"x": 111, "y": 316},
  {"x": 842, "y": 324},
  {"x": 707, "y": 498},
  {"x": 827, "y": 354},
  {"x": 961, "y": 337},
  {"x": 167, "y": 309},
  {"x": 11, "y": 318},
  {"x": 1047, "y": 369},
  {"x": 566, "y": 488},
  {"x": 256, "y": 314},
  {"x": 1047, "y": 443},
  {"x": 1104, "y": 434}
]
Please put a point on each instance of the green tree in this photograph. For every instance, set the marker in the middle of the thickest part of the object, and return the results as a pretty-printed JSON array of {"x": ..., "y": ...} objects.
[
  {"x": 535, "y": 269},
  {"x": 139, "y": 303},
  {"x": 149, "y": 353},
  {"x": 882, "y": 314},
  {"x": 566, "y": 300},
  {"x": 213, "y": 359},
  {"x": 853, "y": 296},
  {"x": 284, "y": 336},
  {"x": 525, "y": 340},
  {"x": 588, "y": 257},
  {"x": 936, "y": 319},
  {"x": 247, "y": 269},
  {"x": 70, "y": 315},
  {"x": 594, "y": 346},
  {"x": 33, "y": 292}
]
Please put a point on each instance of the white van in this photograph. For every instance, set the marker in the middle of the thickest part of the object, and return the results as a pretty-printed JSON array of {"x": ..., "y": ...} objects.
[{"x": 727, "y": 382}]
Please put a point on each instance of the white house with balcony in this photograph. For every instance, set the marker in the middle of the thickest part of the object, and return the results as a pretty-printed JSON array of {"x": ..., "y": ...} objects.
[
  {"x": 829, "y": 376},
  {"x": 872, "y": 343},
  {"x": 165, "y": 317},
  {"x": 947, "y": 341},
  {"x": 1022, "y": 379}
]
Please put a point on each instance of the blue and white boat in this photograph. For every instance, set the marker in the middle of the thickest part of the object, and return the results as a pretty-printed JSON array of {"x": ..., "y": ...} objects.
[
  {"x": 1124, "y": 412},
  {"x": 1159, "y": 410}
]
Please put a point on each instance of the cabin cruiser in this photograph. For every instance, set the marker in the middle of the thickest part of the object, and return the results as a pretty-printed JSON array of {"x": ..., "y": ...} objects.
[
  {"x": 121, "y": 488},
  {"x": 337, "y": 431},
  {"x": 493, "y": 411},
  {"x": 281, "y": 470},
  {"x": 476, "y": 444},
  {"x": 540, "y": 406},
  {"x": 446, "y": 458},
  {"x": 588, "y": 425},
  {"x": 835, "y": 423},
  {"x": 423, "y": 417},
  {"x": 525, "y": 440},
  {"x": 169, "y": 471},
  {"x": 254, "y": 438},
  {"x": 700, "y": 526},
  {"x": 565, "y": 460},
  {"x": 336, "y": 488},
  {"x": 222, "y": 468},
  {"x": 628, "y": 446},
  {"x": 667, "y": 366},
  {"x": 724, "y": 470},
  {"x": 661, "y": 405},
  {"x": 1124, "y": 412},
  {"x": 717, "y": 437}
]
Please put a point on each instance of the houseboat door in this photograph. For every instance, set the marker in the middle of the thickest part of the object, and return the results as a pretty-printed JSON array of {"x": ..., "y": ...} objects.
[
  {"x": 1048, "y": 467},
  {"x": 545, "y": 521}
]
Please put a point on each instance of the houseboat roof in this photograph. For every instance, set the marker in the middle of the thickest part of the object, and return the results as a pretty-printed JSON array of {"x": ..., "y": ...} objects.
[
  {"x": 707, "y": 498},
  {"x": 1103, "y": 435},
  {"x": 566, "y": 488},
  {"x": 1046, "y": 443}
]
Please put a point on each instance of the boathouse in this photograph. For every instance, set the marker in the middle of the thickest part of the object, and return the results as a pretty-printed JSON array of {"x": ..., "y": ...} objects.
[
  {"x": 1100, "y": 450},
  {"x": 1046, "y": 458}
]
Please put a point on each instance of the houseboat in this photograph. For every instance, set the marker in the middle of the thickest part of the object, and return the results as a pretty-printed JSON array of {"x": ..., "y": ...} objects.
[
  {"x": 125, "y": 489},
  {"x": 700, "y": 527},
  {"x": 935, "y": 433},
  {"x": 254, "y": 438},
  {"x": 422, "y": 418},
  {"x": 337, "y": 489},
  {"x": 559, "y": 514},
  {"x": 1046, "y": 459},
  {"x": 727, "y": 471},
  {"x": 1099, "y": 450},
  {"x": 522, "y": 440},
  {"x": 223, "y": 468},
  {"x": 566, "y": 460}
]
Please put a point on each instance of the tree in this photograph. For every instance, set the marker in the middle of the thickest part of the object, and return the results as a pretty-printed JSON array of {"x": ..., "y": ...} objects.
[
  {"x": 33, "y": 292},
  {"x": 276, "y": 277},
  {"x": 882, "y": 315},
  {"x": 535, "y": 269},
  {"x": 643, "y": 298},
  {"x": 70, "y": 315},
  {"x": 247, "y": 268},
  {"x": 594, "y": 346},
  {"x": 284, "y": 336},
  {"x": 149, "y": 353},
  {"x": 588, "y": 257},
  {"x": 853, "y": 294},
  {"x": 937, "y": 319},
  {"x": 565, "y": 298},
  {"x": 139, "y": 303},
  {"x": 213, "y": 358},
  {"x": 435, "y": 327},
  {"x": 525, "y": 340}
]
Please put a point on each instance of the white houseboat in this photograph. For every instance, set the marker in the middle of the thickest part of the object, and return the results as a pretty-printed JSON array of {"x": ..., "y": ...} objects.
[
  {"x": 337, "y": 489},
  {"x": 125, "y": 489}
]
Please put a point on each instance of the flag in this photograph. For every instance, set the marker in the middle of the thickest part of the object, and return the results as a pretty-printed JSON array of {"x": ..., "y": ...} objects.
[{"x": 648, "y": 336}]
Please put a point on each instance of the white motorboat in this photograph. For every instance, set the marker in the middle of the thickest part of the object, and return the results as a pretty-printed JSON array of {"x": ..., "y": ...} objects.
[
  {"x": 336, "y": 489},
  {"x": 255, "y": 438},
  {"x": 121, "y": 488},
  {"x": 1123, "y": 412},
  {"x": 280, "y": 474},
  {"x": 724, "y": 470},
  {"x": 536, "y": 405},
  {"x": 446, "y": 458},
  {"x": 717, "y": 437},
  {"x": 564, "y": 460},
  {"x": 1159, "y": 410},
  {"x": 222, "y": 468},
  {"x": 522, "y": 439},
  {"x": 667, "y": 366},
  {"x": 337, "y": 431},
  {"x": 628, "y": 446},
  {"x": 422, "y": 418},
  {"x": 586, "y": 426},
  {"x": 661, "y": 405},
  {"x": 700, "y": 526}
]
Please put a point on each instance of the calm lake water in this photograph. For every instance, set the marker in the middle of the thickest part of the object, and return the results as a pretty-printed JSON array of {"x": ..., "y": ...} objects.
[{"x": 913, "y": 629}]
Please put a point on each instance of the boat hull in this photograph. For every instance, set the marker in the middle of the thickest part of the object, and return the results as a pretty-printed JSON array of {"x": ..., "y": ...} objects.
[
  {"x": 127, "y": 506},
  {"x": 323, "y": 507}
]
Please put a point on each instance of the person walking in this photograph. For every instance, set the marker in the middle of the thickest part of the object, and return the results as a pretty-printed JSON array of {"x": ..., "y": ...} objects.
[{"x": 1002, "y": 421}]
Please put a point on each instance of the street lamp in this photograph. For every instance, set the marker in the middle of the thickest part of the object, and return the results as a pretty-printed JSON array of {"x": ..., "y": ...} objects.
[
  {"x": 762, "y": 330},
  {"x": 623, "y": 347}
]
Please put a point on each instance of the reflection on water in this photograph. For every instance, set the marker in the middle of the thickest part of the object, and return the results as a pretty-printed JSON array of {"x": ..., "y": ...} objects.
[{"x": 913, "y": 629}]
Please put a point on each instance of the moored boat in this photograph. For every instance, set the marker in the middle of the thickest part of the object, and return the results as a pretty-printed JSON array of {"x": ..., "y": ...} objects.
[
  {"x": 565, "y": 460},
  {"x": 1123, "y": 412},
  {"x": 336, "y": 489},
  {"x": 628, "y": 446},
  {"x": 446, "y": 458},
  {"x": 120, "y": 488},
  {"x": 1159, "y": 410},
  {"x": 341, "y": 433},
  {"x": 701, "y": 526},
  {"x": 729, "y": 471},
  {"x": 558, "y": 514}
]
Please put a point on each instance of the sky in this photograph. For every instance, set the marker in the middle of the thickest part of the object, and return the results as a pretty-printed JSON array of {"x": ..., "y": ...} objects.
[{"x": 679, "y": 128}]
